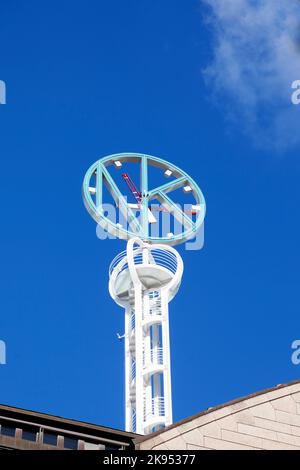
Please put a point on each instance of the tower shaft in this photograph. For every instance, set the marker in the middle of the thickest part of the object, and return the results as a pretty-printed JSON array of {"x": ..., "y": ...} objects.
[
  {"x": 143, "y": 280},
  {"x": 147, "y": 362}
]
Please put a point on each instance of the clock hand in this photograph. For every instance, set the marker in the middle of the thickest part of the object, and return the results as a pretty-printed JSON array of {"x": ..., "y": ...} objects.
[
  {"x": 132, "y": 187},
  {"x": 137, "y": 196}
]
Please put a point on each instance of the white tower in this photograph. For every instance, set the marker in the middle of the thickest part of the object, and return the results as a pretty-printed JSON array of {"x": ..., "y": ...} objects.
[
  {"x": 143, "y": 280},
  {"x": 145, "y": 277}
]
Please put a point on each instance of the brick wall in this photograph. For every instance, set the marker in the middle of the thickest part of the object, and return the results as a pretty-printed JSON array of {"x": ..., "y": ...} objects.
[{"x": 270, "y": 420}]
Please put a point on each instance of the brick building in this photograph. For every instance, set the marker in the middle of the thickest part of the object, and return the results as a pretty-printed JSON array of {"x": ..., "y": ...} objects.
[{"x": 266, "y": 420}]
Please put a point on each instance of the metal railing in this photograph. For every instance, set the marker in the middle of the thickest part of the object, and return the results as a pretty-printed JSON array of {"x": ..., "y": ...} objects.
[
  {"x": 154, "y": 294},
  {"x": 116, "y": 261},
  {"x": 155, "y": 307},
  {"x": 133, "y": 370},
  {"x": 156, "y": 357},
  {"x": 165, "y": 259},
  {"x": 157, "y": 408},
  {"x": 133, "y": 421},
  {"x": 158, "y": 256},
  {"x": 132, "y": 321}
]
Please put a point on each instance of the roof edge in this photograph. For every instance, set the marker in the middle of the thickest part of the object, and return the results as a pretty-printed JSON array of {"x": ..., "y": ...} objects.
[
  {"x": 140, "y": 439},
  {"x": 70, "y": 421}
]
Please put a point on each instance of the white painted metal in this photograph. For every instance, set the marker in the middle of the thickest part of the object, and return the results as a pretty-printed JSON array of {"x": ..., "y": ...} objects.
[
  {"x": 151, "y": 218},
  {"x": 143, "y": 280},
  {"x": 168, "y": 173}
]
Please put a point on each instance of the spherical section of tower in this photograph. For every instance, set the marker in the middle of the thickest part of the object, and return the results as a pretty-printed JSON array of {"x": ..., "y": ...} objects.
[{"x": 143, "y": 280}]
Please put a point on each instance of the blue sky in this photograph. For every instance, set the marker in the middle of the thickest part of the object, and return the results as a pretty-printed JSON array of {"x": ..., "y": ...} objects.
[{"x": 86, "y": 79}]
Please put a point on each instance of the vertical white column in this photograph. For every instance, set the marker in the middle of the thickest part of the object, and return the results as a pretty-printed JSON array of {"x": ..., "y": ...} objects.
[
  {"x": 147, "y": 358},
  {"x": 166, "y": 357},
  {"x": 145, "y": 256},
  {"x": 128, "y": 406},
  {"x": 139, "y": 388},
  {"x": 156, "y": 378},
  {"x": 152, "y": 376}
]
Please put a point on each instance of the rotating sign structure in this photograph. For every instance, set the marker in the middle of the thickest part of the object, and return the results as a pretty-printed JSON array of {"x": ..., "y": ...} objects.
[
  {"x": 99, "y": 175},
  {"x": 145, "y": 277}
]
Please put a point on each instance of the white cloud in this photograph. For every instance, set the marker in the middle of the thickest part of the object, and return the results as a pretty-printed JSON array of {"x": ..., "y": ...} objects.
[{"x": 256, "y": 57}]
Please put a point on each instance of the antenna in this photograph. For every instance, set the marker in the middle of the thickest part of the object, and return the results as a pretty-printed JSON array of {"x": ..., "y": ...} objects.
[{"x": 144, "y": 278}]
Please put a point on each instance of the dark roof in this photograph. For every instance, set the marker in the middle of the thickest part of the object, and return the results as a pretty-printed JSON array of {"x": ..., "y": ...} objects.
[
  {"x": 139, "y": 439},
  {"x": 65, "y": 423}
]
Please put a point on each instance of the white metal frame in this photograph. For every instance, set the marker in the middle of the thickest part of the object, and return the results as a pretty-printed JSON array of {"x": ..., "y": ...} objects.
[
  {"x": 148, "y": 400},
  {"x": 93, "y": 199}
]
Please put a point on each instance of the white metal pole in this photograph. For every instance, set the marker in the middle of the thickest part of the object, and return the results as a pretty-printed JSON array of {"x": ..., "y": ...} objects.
[
  {"x": 147, "y": 358},
  {"x": 148, "y": 395},
  {"x": 128, "y": 407},
  {"x": 156, "y": 378},
  {"x": 139, "y": 346},
  {"x": 166, "y": 358}
]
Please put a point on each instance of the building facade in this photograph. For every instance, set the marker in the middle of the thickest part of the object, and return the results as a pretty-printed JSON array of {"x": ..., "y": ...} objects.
[
  {"x": 267, "y": 420},
  {"x": 27, "y": 430}
]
